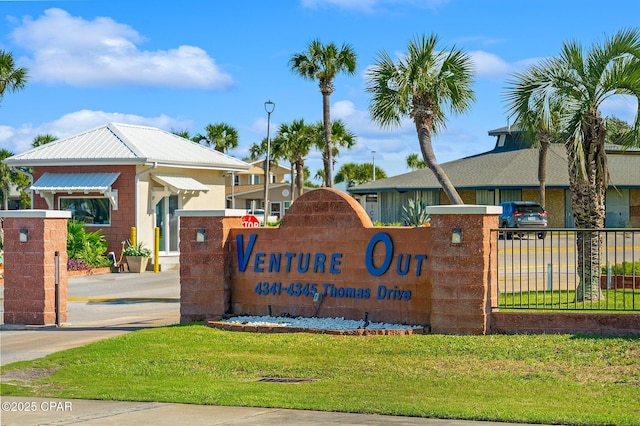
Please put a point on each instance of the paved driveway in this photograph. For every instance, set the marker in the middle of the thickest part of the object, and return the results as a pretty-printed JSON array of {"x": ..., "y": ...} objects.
[{"x": 98, "y": 307}]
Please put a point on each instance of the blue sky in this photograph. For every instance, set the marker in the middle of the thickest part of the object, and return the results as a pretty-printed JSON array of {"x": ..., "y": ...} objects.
[{"x": 181, "y": 65}]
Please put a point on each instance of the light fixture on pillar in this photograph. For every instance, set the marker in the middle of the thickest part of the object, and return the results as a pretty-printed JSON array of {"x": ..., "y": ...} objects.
[
  {"x": 201, "y": 235},
  {"x": 24, "y": 235},
  {"x": 456, "y": 236},
  {"x": 268, "y": 107}
]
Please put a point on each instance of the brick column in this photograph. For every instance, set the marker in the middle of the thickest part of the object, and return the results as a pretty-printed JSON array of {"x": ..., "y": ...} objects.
[
  {"x": 205, "y": 277},
  {"x": 461, "y": 272},
  {"x": 31, "y": 239}
]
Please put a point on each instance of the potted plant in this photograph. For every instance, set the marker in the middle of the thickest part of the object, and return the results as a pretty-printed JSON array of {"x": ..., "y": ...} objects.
[{"x": 137, "y": 257}]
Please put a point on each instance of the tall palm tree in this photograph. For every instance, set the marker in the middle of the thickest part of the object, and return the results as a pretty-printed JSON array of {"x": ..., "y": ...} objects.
[
  {"x": 341, "y": 138},
  {"x": 421, "y": 85},
  {"x": 414, "y": 162},
  {"x": 43, "y": 139},
  {"x": 581, "y": 80},
  {"x": 322, "y": 62},
  {"x": 293, "y": 142},
  {"x": 219, "y": 136},
  {"x": 11, "y": 78}
]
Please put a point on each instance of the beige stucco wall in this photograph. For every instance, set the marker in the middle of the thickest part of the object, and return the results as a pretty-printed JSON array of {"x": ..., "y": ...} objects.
[
  {"x": 214, "y": 199},
  {"x": 634, "y": 208}
]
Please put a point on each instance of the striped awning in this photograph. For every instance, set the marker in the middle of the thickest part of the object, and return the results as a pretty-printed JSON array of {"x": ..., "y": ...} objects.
[
  {"x": 75, "y": 182},
  {"x": 54, "y": 183}
]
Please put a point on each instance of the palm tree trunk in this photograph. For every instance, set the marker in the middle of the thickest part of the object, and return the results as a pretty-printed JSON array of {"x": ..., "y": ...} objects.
[
  {"x": 588, "y": 183},
  {"x": 328, "y": 147},
  {"x": 424, "y": 136},
  {"x": 542, "y": 170},
  {"x": 300, "y": 177}
]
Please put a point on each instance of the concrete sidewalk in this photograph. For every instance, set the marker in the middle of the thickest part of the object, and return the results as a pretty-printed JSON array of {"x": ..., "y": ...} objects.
[{"x": 103, "y": 306}]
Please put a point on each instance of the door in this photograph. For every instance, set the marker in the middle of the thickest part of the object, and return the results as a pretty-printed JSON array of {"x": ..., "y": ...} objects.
[
  {"x": 617, "y": 207},
  {"x": 167, "y": 221}
]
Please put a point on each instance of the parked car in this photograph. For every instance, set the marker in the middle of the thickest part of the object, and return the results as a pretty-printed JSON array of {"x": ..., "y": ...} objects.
[{"x": 527, "y": 216}]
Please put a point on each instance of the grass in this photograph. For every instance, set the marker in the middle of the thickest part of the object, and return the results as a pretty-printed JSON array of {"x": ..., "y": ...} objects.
[
  {"x": 561, "y": 379},
  {"x": 618, "y": 301}
]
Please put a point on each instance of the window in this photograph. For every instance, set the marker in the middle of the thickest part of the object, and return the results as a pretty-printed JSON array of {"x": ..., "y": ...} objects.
[
  {"x": 254, "y": 179},
  {"x": 90, "y": 210},
  {"x": 236, "y": 180}
]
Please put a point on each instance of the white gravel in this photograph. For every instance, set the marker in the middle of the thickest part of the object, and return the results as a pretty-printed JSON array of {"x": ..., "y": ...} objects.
[{"x": 316, "y": 323}]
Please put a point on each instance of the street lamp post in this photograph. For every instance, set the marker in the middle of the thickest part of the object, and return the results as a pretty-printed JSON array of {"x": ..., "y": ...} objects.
[
  {"x": 373, "y": 153},
  {"x": 268, "y": 107}
]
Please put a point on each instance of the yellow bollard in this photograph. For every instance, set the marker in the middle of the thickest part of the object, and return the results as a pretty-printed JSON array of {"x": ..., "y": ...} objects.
[
  {"x": 133, "y": 238},
  {"x": 156, "y": 251}
]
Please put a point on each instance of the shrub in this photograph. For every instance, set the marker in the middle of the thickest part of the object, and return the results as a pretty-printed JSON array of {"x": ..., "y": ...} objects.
[
  {"x": 87, "y": 247},
  {"x": 414, "y": 214},
  {"x": 624, "y": 268},
  {"x": 136, "y": 250}
]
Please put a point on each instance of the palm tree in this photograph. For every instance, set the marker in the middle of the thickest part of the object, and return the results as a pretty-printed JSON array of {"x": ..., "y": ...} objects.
[
  {"x": 414, "y": 162},
  {"x": 220, "y": 136},
  {"x": 8, "y": 177},
  {"x": 184, "y": 133},
  {"x": 322, "y": 63},
  {"x": 11, "y": 78},
  {"x": 617, "y": 130},
  {"x": 43, "y": 139},
  {"x": 294, "y": 141},
  {"x": 341, "y": 138},
  {"x": 421, "y": 85},
  {"x": 357, "y": 174},
  {"x": 581, "y": 81}
]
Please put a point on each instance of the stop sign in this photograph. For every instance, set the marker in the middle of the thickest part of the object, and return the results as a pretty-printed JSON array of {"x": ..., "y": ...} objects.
[{"x": 250, "y": 221}]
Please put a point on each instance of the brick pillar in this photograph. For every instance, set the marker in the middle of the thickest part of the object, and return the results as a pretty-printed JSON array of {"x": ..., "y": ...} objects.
[
  {"x": 205, "y": 276},
  {"x": 29, "y": 270},
  {"x": 461, "y": 272}
]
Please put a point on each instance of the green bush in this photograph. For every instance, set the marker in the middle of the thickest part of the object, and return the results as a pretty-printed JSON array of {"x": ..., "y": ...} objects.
[
  {"x": 136, "y": 250},
  {"x": 89, "y": 247},
  {"x": 624, "y": 268}
]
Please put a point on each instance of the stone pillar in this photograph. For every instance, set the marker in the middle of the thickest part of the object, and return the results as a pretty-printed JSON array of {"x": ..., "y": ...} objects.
[
  {"x": 205, "y": 276},
  {"x": 31, "y": 240},
  {"x": 461, "y": 269}
]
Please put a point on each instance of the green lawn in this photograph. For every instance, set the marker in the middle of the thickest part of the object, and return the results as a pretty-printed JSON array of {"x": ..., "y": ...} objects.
[
  {"x": 618, "y": 301},
  {"x": 536, "y": 379}
]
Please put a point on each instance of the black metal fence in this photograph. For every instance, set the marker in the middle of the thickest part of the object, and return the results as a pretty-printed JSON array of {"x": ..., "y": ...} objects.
[{"x": 568, "y": 269}]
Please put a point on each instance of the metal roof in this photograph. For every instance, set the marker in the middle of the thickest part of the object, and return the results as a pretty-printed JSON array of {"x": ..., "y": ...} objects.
[
  {"x": 180, "y": 183},
  {"x": 116, "y": 144},
  {"x": 75, "y": 182},
  {"x": 506, "y": 170}
]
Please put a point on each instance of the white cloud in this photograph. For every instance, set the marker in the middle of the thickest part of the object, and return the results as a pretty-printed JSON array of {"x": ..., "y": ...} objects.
[
  {"x": 102, "y": 52},
  {"x": 18, "y": 140},
  {"x": 490, "y": 65}
]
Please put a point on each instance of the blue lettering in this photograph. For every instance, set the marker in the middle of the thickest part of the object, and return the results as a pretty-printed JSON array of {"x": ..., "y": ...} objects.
[
  {"x": 303, "y": 267},
  {"x": 386, "y": 240},
  {"x": 385, "y": 293},
  {"x": 318, "y": 263},
  {"x": 274, "y": 262},
  {"x": 244, "y": 255},
  {"x": 399, "y": 269},
  {"x": 257, "y": 266},
  {"x": 335, "y": 262},
  {"x": 419, "y": 258},
  {"x": 289, "y": 257}
]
